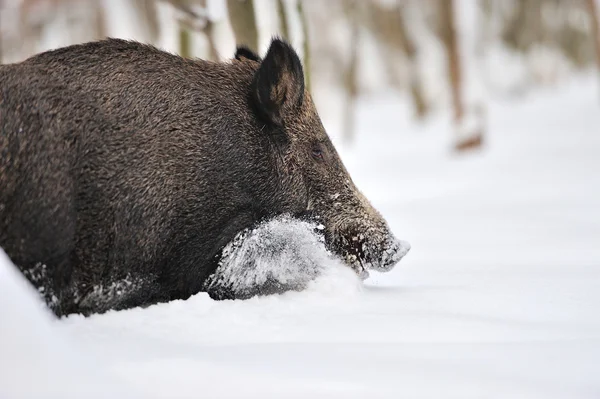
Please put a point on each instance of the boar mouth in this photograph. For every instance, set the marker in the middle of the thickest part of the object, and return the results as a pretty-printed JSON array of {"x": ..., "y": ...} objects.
[
  {"x": 362, "y": 254},
  {"x": 352, "y": 253}
]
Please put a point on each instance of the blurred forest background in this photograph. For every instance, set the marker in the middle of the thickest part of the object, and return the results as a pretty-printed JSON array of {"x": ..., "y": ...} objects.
[{"x": 443, "y": 55}]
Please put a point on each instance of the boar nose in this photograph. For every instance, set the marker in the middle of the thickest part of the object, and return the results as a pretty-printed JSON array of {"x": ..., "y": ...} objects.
[
  {"x": 396, "y": 250},
  {"x": 404, "y": 247}
]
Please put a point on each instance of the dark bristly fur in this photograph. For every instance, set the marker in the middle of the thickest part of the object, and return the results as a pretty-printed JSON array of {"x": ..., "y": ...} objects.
[
  {"x": 124, "y": 166},
  {"x": 244, "y": 52}
]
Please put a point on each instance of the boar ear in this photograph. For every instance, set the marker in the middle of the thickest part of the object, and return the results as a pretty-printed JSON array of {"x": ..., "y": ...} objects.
[
  {"x": 244, "y": 52},
  {"x": 278, "y": 85}
]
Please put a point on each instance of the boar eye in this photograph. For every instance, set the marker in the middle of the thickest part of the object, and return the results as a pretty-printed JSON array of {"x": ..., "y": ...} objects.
[{"x": 317, "y": 152}]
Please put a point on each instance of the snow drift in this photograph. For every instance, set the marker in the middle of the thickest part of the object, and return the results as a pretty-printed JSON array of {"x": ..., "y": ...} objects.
[{"x": 36, "y": 360}]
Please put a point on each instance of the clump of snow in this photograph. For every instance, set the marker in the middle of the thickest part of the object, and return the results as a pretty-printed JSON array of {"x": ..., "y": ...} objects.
[{"x": 281, "y": 254}]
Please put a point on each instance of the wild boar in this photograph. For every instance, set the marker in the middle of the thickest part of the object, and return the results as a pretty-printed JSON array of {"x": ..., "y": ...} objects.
[{"x": 123, "y": 165}]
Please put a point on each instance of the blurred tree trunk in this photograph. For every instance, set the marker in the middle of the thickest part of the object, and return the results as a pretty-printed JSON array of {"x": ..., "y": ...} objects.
[
  {"x": 468, "y": 115},
  {"x": 209, "y": 31},
  {"x": 1, "y": 9},
  {"x": 449, "y": 37},
  {"x": 306, "y": 44},
  {"x": 185, "y": 46},
  {"x": 390, "y": 29},
  {"x": 147, "y": 14},
  {"x": 409, "y": 49},
  {"x": 243, "y": 22},
  {"x": 283, "y": 22},
  {"x": 351, "y": 73},
  {"x": 593, "y": 10},
  {"x": 192, "y": 21},
  {"x": 30, "y": 30},
  {"x": 524, "y": 27},
  {"x": 99, "y": 19},
  {"x": 185, "y": 25}
]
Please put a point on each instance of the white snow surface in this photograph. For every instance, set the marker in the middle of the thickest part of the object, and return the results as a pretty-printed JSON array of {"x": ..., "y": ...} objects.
[{"x": 498, "y": 298}]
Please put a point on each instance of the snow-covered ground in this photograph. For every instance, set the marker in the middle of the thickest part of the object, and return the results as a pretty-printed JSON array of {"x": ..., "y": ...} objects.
[{"x": 498, "y": 298}]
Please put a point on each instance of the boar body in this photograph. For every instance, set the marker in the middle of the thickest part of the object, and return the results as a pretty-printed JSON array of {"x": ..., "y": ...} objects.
[{"x": 125, "y": 166}]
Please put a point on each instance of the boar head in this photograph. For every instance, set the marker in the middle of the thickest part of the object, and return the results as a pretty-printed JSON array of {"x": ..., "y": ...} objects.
[{"x": 311, "y": 177}]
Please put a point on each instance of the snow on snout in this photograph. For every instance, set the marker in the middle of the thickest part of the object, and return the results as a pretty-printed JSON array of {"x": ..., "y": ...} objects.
[{"x": 392, "y": 255}]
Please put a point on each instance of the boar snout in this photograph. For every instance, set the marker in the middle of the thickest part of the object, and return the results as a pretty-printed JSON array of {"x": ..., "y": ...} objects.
[
  {"x": 366, "y": 249},
  {"x": 394, "y": 251}
]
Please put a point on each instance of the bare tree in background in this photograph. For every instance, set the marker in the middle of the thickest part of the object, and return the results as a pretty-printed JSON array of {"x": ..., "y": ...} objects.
[
  {"x": 284, "y": 31},
  {"x": 560, "y": 26},
  {"x": 185, "y": 45},
  {"x": 410, "y": 50},
  {"x": 194, "y": 18},
  {"x": 30, "y": 25},
  {"x": 306, "y": 43},
  {"x": 466, "y": 139},
  {"x": 449, "y": 37},
  {"x": 389, "y": 26},
  {"x": 351, "y": 72},
  {"x": 184, "y": 7},
  {"x": 209, "y": 32},
  {"x": 243, "y": 22},
  {"x": 283, "y": 22},
  {"x": 99, "y": 20},
  {"x": 1, "y": 37},
  {"x": 593, "y": 10},
  {"x": 147, "y": 13},
  {"x": 523, "y": 26}
]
